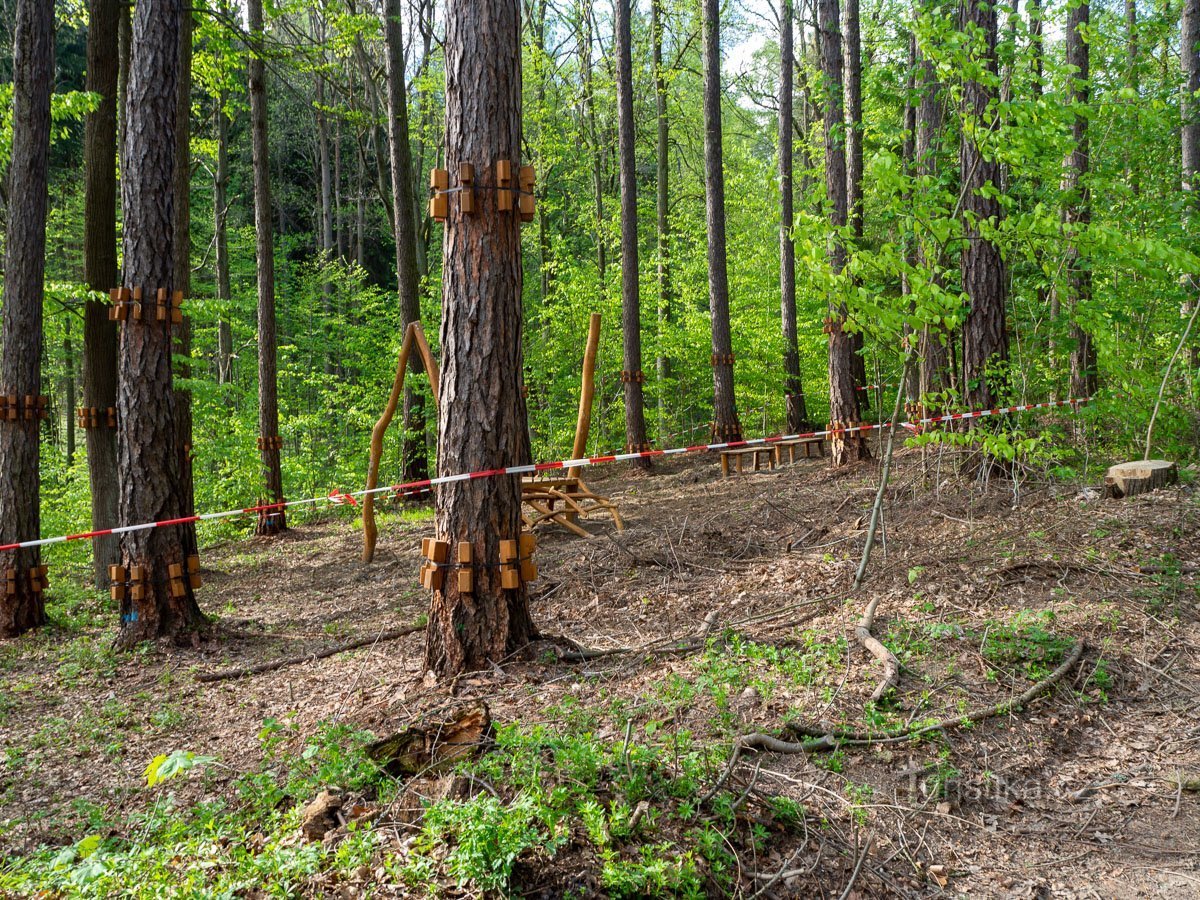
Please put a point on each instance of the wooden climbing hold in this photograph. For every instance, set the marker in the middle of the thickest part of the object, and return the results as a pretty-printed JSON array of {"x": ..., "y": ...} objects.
[
  {"x": 510, "y": 578},
  {"x": 466, "y": 181},
  {"x": 439, "y": 202},
  {"x": 466, "y": 573},
  {"x": 504, "y": 201}
]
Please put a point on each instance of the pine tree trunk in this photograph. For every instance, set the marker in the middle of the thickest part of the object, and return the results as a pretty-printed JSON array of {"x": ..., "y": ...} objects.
[
  {"x": 482, "y": 418},
  {"x": 148, "y": 456},
  {"x": 589, "y": 104},
  {"x": 726, "y": 426},
  {"x": 1077, "y": 210},
  {"x": 1190, "y": 110},
  {"x": 662, "y": 363},
  {"x": 221, "y": 239},
  {"x": 1046, "y": 299},
  {"x": 843, "y": 398},
  {"x": 793, "y": 388},
  {"x": 854, "y": 168},
  {"x": 416, "y": 463},
  {"x": 24, "y": 267},
  {"x": 268, "y": 396},
  {"x": 631, "y": 316},
  {"x": 101, "y": 273},
  {"x": 984, "y": 334}
]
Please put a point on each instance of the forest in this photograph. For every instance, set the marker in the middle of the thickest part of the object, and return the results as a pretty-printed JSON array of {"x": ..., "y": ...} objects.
[{"x": 625, "y": 448}]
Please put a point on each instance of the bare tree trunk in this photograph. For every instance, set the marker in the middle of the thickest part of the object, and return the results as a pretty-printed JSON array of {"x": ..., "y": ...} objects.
[
  {"x": 221, "y": 239},
  {"x": 726, "y": 426},
  {"x": 589, "y": 103},
  {"x": 22, "y": 605},
  {"x": 984, "y": 334},
  {"x": 1134, "y": 81},
  {"x": 268, "y": 396},
  {"x": 1077, "y": 206},
  {"x": 481, "y": 303},
  {"x": 69, "y": 388},
  {"x": 631, "y": 315},
  {"x": 854, "y": 167},
  {"x": 325, "y": 200},
  {"x": 1190, "y": 109},
  {"x": 793, "y": 388},
  {"x": 148, "y": 456},
  {"x": 101, "y": 273},
  {"x": 416, "y": 463},
  {"x": 843, "y": 398},
  {"x": 662, "y": 363}
]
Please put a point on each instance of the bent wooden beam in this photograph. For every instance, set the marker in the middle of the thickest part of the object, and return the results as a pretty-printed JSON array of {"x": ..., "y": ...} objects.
[{"x": 413, "y": 336}]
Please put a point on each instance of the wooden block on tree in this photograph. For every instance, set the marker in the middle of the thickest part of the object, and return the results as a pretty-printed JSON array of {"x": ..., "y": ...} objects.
[
  {"x": 439, "y": 551},
  {"x": 175, "y": 570},
  {"x": 466, "y": 180},
  {"x": 508, "y": 551},
  {"x": 510, "y": 578},
  {"x": 1139, "y": 477}
]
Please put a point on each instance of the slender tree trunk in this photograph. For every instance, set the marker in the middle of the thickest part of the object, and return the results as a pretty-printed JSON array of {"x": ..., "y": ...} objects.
[
  {"x": 69, "y": 387},
  {"x": 1134, "y": 81},
  {"x": 984, "y": 335},
  {"x": 328, "y": 247},
  {"x": 908, "y": 150},
  {"x": 148, "y": 456},
  {"x": 589, "y": 103},
  {"x": 726, "y": 426},
  {"x": 221, "y": 239},
  {"x": 22, "y": 605},
  {"x": 662, "y": 362},
  {"x": 268, "y": 396},
  {"x": 631, "y": 315},
  {"x": 854, "y": 167},
  {"x": 1077, "y": 207},
  {"x": 481, "y": 303},
  {"x": 843, "y": 398},
  {"x": 1190, "y": 109},
  {"x": 101, "y": 273},
  {"x": 793, "y": 388},
  {"x": 416, "y": 463},
  {"x": 182, "y": 275},
  {"x": 124, "y": 49},
  {"x": 339, "y": 221}
]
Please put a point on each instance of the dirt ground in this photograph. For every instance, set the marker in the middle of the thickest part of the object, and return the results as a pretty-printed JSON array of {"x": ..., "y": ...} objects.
[{"x": 1089, "y": 791}]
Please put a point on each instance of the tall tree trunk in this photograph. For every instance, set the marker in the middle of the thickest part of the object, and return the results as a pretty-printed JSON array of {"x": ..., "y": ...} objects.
[
  {"x": 101, "y": 274},
  {"x": 662, "y": 362},
  {"x": 325, "y": 201},
  {"x": 416, "y": 463},
  {"x": 182, "y": 276},
  {"x": 854, "y": 166},
  {"x": 22, "y": 606},
  {"x": 69, "y": 387},
  {"x": 1077, "y": 206},
  {"x": 148, "y": 457},
  {"x": 268, "y": 390},
  {"x": 1190, "y": 109},
  {"x": 221, "y": 239},
  {"x": 984, "y": 334},
  {"x": 631, "y": 315},
  {"x": 793, "y": 388},
  {"x": 1134, "y": 81},
  {"x": 726, "y": 426},
  {"x": 843, "y": 398},
  {"x": 481, "y": 343},
  {"x": 589, "y": 104}
]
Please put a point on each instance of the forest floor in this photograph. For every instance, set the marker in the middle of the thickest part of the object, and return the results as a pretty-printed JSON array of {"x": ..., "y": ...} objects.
[{"x": 727, "y": 608}]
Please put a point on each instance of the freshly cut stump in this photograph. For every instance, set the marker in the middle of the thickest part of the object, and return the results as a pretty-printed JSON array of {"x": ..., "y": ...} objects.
[{"x": 1132, "y": 478}]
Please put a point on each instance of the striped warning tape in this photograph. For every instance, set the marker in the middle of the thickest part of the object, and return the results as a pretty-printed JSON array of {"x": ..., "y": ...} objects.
[{"x": 338, "y": 498}]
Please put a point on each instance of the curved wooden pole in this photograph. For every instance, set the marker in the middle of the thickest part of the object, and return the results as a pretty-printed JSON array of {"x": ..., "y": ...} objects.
[
  {"x": 587, "y": 389},
  {"x": 412, "y": 335}
]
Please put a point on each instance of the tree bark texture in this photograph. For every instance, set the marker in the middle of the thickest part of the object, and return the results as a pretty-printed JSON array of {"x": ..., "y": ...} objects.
[
  {"x": 24, "y": 268},
  {"x": 268, "y": 394},
  {"x": 793, "y": 388},
  {"x": 1077, "y": 208},
  {"x": 662, "y": 207},
  {"x": 631, "y": 315},
  {"x": 146, "y": 403},
  {"x": 221, "y": 240},
  {"x": 984, "y": 333},
  {"x": 101, "y": 274},
  {"x": 852, "y": 50},
  {"x": 482, "y": 416},
  {"x": 726, "y": 426},
  {"x": 589, "y": 104},
  {"x": 416, "y": 463},
  {"x": 843, "y": 398},
  {"x": 1190, "y": 110}
]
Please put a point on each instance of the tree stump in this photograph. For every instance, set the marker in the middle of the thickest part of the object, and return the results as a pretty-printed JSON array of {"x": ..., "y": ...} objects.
[{"x": 1138, "y": 477}]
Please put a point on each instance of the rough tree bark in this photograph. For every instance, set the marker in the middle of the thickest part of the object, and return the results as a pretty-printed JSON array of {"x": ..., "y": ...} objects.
[
  {"x": 416, "y": 463},
  {"x": 726, "y": 426},
  {"x": 793, "y": 387},
  {"x": 101, "y": 274},
  {"x": 482, "y": 417},
  {"x": 852, "y": 60},
  {"x": 24, "y": 268},
  {"x": 631, "y": 315},
  {"x": 662, "y": 362},
  {"x": 843, "y": 398},
  {"x": 984, "y": 333},
  {"x": 148, "y": 460},
  {"x": 268, "y": 397},
  {"x": 1077, "y": 206}
]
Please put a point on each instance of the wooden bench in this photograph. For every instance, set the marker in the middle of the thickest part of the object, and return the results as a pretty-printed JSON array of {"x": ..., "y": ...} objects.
[
  {"x": 790, "y": 446},
  {"x": 738, "y": 456},
  {"x": 563, "y": 501}
]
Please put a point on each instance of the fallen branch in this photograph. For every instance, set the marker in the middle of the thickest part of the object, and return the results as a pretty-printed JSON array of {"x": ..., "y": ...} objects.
[
  {"x": 891, "y": 665},
  {"x": 823, "y": 739},
  {"x": 273, "y": 665}
]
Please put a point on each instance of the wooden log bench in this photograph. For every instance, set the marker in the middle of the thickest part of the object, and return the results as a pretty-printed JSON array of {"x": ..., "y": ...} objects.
[
  {"x": 758, "y": 454},
  {"x": 790, "y": 446}
]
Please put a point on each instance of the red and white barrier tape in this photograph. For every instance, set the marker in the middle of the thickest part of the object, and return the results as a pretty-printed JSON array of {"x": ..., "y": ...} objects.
[{"x": 339, "y": 498}]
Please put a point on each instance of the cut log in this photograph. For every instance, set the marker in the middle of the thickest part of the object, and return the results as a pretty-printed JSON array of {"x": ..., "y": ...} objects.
[{"x": 1138, "y": 477}]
